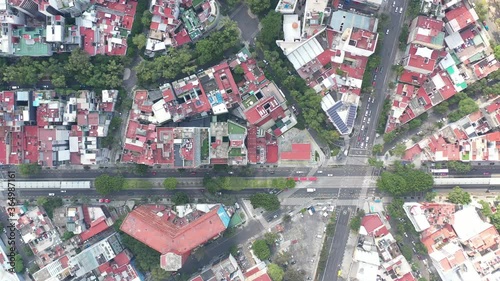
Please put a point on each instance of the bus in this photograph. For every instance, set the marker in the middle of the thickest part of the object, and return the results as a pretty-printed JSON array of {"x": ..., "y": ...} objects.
[{"x": 439, "y": 172}]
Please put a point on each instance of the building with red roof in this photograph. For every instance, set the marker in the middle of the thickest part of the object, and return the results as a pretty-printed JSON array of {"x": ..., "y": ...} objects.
[
  {"x": 427, "y": 32},
  {"x": 460, "y": 18},
  {"x": 225, "y": 268},
  {"x": 372, "y": 225},
  {"x": 257, "y": 273},
  {"x": 175, "y": 233},
  {"x": 106, "y": 26},
  {"x": 420, "y": 59},
  {"x": 96, "y": 227},
  {"x": 485, "y": 66},
  {"x": 299, "y": 152}
]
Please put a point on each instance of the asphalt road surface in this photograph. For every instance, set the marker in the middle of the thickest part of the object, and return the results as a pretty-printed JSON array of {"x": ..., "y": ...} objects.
[
  {"x": 366, "y": 128},
  {"x": 63, "y": 174},
  {"x": 337, "y": 244},
  {"x": 336, "y": 193},
  {"x": 127, "y": 194}
]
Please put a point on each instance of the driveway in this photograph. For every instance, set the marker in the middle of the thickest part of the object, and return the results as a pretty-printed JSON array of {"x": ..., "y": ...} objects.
[{"x": 247, "y": 23}]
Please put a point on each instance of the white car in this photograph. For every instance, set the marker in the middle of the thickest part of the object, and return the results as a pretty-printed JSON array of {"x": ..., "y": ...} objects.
[
  {"x": 394, "y": 4},
  {"x": 63, "y": 191},
  {"x": 320, "y": 172},
  {"x": 395, "y": 11},
  {"x": 52, "y": 194},
  {"x": 330, "y": 175},
  {"x": 401, "y": 10},
  {"x": 387, "y": 32}
]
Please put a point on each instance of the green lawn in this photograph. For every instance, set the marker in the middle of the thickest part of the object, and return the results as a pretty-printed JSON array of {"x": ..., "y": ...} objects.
[
  {"x": 465, "y": 156},
  {"x": 236, "y": 183},
  {"x": 235, "y": 152},
  {"x": 137, "y": 184}
]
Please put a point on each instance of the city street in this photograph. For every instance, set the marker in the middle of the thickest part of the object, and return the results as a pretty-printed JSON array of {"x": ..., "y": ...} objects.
[
  {"x": 366, "y": 127},
  {"x": 337, "y": 244}
]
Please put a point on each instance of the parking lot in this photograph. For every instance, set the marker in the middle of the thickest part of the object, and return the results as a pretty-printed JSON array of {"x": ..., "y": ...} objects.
[{"x": 303, "y": 239}]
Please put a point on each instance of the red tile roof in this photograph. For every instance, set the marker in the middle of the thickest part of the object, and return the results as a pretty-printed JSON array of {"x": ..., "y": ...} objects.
[
  {"x": 122, "y": 259},
  {"x": 300, "y": 151},
  {"x": 166, "y": 234},
  {"x": 374, "y": 225},
  {"x": 462, "y": 15},
  {"x": 96, "y": 227},
  {"x": 272, "y": 153}
]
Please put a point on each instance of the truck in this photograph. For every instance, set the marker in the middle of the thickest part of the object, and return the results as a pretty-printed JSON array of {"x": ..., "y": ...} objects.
[{"x": 311, "y": 189}]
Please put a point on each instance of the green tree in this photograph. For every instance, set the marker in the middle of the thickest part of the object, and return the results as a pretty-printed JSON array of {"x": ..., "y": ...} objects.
[
  {"x": 106, "y": 184},
  {"x": 389, "y": 137},
  {"x": 442, "y": 108},
  {"x": 140, "y": 40},
  {"x": 486, "y": 209},
  {"x": 67, "y": 235},
  {"x": 290, "y": 183},
  {"x": 261, "y": 249},
  {"x": 272, "y": 28},
  {"x": 180, "y": 198},
  {"x": 430, "y": 196},
  {"x": 398, "y": 69},
  {"x": 372, "y": 161},
  {"x": 495, "y": 220},
  {"x": 404, "y": 180},
  {"x": 141, "y": 169},
  {"x": 268, "y": 202},
  {"x": 481, "y": 9},
  {"x": 29, "y": 169},
  {"x": 40, "y": 201},
  {"x": 259, "y": 7},
  {"x": 146, "y": 19},
  {"x": 79, "y": 66},
  {"x": 399, "y": 150},
  {"x": 146, "y": 258},
  {"x": 211, "y": 184},
  {"x": 270, "y": 238},
  {"x": 19, "y": 264},
  {"x": 461, "y": 167},
  {"x": 407, "y": 252},
  {"x": 282, "y": 258},
  {"x": 355, "y": 223},
  {"x": 170, "y": 183},
  {"x": 378, "y": 149},
  {"x": 459, "y": 196},
  {"x": 415, "y": 123},
  {"x": 496, "y": 51},
  {"x": 159, "y": 274},
  {"x": 275, "y": 272}
]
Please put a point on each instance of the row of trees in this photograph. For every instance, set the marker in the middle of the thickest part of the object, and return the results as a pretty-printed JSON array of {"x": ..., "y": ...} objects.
[
  {"x": 183, "y": 61},
  {"x": 106, "y": 184},
  {"x": 404, "y": 179},
  {"x": 66, "y": 70},
  {"x": 268, "y": 202}
]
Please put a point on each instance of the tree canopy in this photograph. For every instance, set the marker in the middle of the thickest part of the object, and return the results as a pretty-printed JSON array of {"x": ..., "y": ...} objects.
[
  {"x": 405, "y": 179},
  {"x": 461, "y": 167},
  {"x": 180, "y": 198},
  {"x": 459, "y": 196},
  {"x": 176, "y": 62},
  {"x": 106, "y": 184},
  {"x": 272, "y": 28},
  {"x": 275, "y": 272},
  {"x": 170, "y": 183},
  {"x": 213, "y": 47},
  {"x": 261, "y": 249},
  {"x": 268, "y": 202},
  {"x": 259, "y": 7},
  {"x": 29, "y": 169}
]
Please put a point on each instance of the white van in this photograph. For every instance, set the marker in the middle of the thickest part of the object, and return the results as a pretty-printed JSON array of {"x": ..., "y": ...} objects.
[{"x": 237, "y": 206}]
